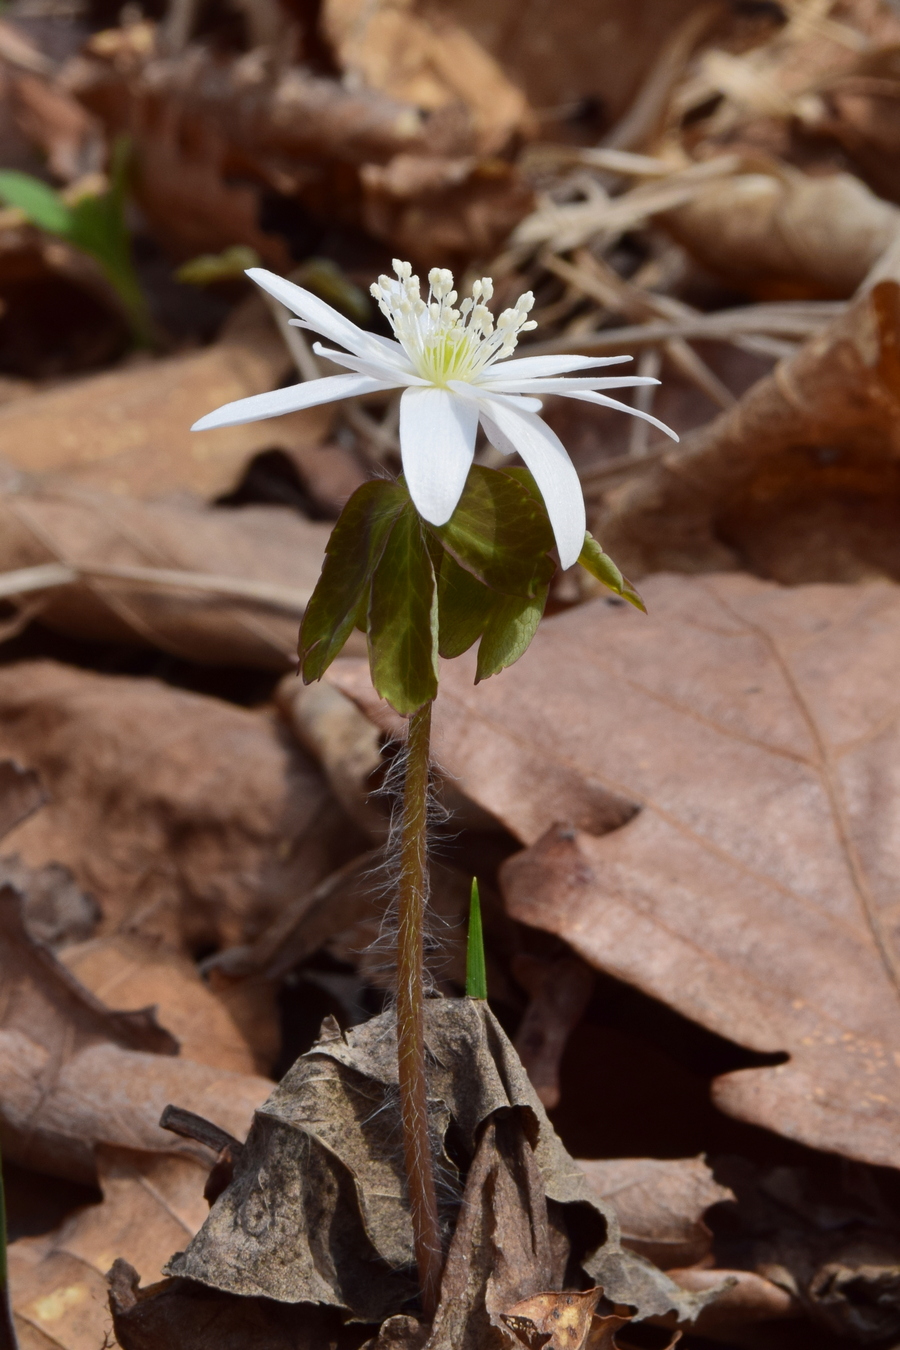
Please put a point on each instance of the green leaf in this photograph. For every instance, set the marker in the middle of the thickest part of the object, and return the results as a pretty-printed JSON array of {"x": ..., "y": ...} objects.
[
  {"x": 464, "y": 607},
  {"x": 526, "y": 478},
  {"x": 500, "y": 534},
  {"x": 508, "y": 634},
  {"x": 41, "y": 204},
  {"x": 99, "y": 228},
  {"x": 403, "y": 618},
  {"x": 600, "y": 565},
  {"x": 340, "y": 599},
  {"x": 476, "y": 972}
]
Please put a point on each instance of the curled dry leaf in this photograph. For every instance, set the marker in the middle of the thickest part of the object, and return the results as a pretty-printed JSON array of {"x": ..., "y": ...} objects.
[
  {"x": 799, "y": 478},
  {"x": 130, "y": 973},
  {"x": 747, "y": 1299},
  {"x": 559, "y": 1321},
  {"x": 58, "y": 1280},
  {"x": 745, "y": 746},
  {"x": 660, "y": 1204},
  {"x": 782, "y": 234},
  {"x": 129, "y": 431},
  {"x": 832, "y": 1248},
  {"x": 148, "y": 813},
  {"x": 210, "y": 585},
  {"x": 323, "y": 1158},
  {"x": 182, "y": 1313},
  {"x": 74, "y": 1075}
]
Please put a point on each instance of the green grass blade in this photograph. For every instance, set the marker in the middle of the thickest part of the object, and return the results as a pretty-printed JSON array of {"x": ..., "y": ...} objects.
[{"x": 476, "y": 973}]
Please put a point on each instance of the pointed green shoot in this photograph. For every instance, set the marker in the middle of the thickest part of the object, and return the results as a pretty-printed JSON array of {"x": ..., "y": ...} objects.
[{"x": 476, "y": 974}]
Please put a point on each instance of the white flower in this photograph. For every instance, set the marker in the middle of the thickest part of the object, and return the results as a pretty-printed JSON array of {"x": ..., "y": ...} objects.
[{"x": 452, "y": 366}]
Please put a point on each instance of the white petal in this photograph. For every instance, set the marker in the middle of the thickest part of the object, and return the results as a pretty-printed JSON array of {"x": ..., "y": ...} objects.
[
  {"x": 296, "y": 396},
  {"x": 317, "y": 314},
  {"x": 378, "y": 370},
  {"x": 524, "y": 367},
  {"x": 622, "y": 407},
  {"x": 564, "y": 386},
  {"x": 477, "y": 392},
  {"x": 437, "y": 442},
  {"x": 546, "y": 457},
  {"x": 386, "y": 352}
]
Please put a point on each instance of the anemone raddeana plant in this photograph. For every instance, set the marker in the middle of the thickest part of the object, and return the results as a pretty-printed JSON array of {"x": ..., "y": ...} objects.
[{"x": 452, "y": 554}]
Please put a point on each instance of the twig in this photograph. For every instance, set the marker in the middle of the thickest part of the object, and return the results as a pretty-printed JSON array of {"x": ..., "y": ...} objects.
[
  {"x": 188, "y": 1125},
  {"x": 649, "y": 363},
  {"x": 599, "y": 280},
  {"x": 786, "y": 319},
  {"x": 49, "y": 576},
  {"x": 295, "y": 340},
  {"x": 382, "y": 435}
]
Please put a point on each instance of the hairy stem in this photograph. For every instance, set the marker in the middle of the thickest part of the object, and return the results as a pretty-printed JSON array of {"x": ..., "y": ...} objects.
[{"x": 413, "y": 891}]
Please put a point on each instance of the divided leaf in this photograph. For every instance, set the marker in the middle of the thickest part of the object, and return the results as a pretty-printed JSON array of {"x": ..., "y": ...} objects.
[
  {"x": 403, "y": 618},
  {"x": 508, "y": 634},
  {"x": 465, "y": 605},
  {"x": 351, "y": 557},
  {"x": 500, "y": 534}
]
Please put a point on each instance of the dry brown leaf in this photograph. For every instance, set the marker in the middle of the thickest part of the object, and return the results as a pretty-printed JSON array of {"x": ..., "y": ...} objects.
[
  {"x": 506, "y": 1241},
  {"x": 752, "y": 762},
  {"x": 559, "y": 992},
  {"x": 129, "y": 431},
  {"x": 317, "y": 1210},
  {"x": 21, "y": 795},
  {"x": 742, "y": 739},
  {"x": 194, "y": 115},
  {"x": 75, "y": 1075},
  {"x": 58, "y": 1280},
  {"x": 428, "y": 60},
  {"x": 56, "y": 910},
  {"x": 342, "y": 741},
  {"x": 747, "y": 1299},
  {"x": 798, "y": 480},
  {"x": 660, "y": 1204},
  {"x": 184, "y": 1314},
  {"x": 452, "y": 208},
  {"x": 148, "y": 812},
  {"x": 830, "y": 1244},
  {"x": 781, "y": 235},
  {"x": 272, "y": 552},
  {"x": 131, "y": 973},
  {"x": 559, "y": 57},
  {"x": 558, "y": 1320}
]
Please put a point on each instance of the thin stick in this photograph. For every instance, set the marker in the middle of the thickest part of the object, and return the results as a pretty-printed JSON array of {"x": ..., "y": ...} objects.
[{"x": 411, "y": 1011}]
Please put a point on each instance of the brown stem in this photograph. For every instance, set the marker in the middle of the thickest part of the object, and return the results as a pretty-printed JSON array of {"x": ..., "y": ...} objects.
[{"x": 411, "y": 1011}]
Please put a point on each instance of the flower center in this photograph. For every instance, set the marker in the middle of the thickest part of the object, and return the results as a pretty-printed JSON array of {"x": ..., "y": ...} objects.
[{"x": 445, "y": 343}]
